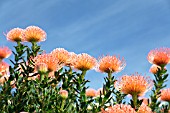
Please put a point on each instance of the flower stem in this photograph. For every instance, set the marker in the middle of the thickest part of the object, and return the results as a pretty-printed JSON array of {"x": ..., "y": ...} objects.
[{"x": 135, "y": 98}]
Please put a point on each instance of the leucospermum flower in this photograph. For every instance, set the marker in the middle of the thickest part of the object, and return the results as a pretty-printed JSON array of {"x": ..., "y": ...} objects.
[
  {"x": 14, "y": 35},
  {"x": 84, "y": 62},
  {"x": 160, "y": 57},
  {"x": 4, "y": 68},
  {"x": 90, "y": 92},
  {"x": 165, "y": 94},
  {"x": 61, "y": 54},
  {"x": 34, "y": 34},
  {"x": 120, "y": 108},
  {"x": 134, "y": 84},
  {"x": 144, "y": 109},
  {"x": 5, "y": 52},
  {"x": 111, "y": 64},
  {"x": 63, "y": 93},
  {"x": 51, "y": 62},
  {"x": 154, "y": 68},
  {"x": 42, "y": 67}
]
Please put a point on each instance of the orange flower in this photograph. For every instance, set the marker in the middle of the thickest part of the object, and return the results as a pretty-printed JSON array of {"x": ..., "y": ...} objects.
[
  {"x": 14, "y": 35},
  {"x": 134, "y": 84},
  {"x": 4, "y": 68},
  {"x": 144, "y": 109},
  {"x": 91, "y": 92},
  {"x": 84, "y": 62},
  {"x": 5, "y": 52},
  {"x": 120, "y": 108},
  {"x": 160, "y": 57},
  {"x": 165, "y": 94},
  {"x": 61, "y": 54},
  {"x": 34, "y": 34},
  {"x": 63, "y": 93},
  {"x": 154, "y": 68},
  {"x": 49, "y": 60},
  {"x": 111, "y": 64}
]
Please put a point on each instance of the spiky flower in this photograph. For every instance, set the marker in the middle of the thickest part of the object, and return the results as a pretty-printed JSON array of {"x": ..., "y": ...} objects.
[
  {"x": 165, "y": 94},
  {"x": 61, "y": 54},
  {"x": 120, "y": 108},
  {"x": 5, "y": 52},
  {"x": 90, "y": 92},
  {"x": 14, "y": 35},
  {"x": 51, "y": 62},
  {"x": 111, "y": 64},
  {"x": 84, "y": 62},
  {"x": 154, "y": 69},
  {"x": 144, "y": 109},
  {"x": 134, "y": 84},
  {"x": 160, "y": 56},
  {"x": 34, "y": 34}
]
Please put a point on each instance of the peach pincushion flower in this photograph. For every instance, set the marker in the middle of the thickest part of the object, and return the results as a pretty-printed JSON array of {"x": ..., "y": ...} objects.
[
  {"x": 165, "y": 94},
  {"x": 91, "y": 92},
  {"x": 111, "y": 64},
  {"x": 144, "y": 109},
  {"x": 84, "y": 62},
  {"x": 34, "y": 34},
  {"x": 134, "y": 84},
  {"x": 5, "y": 52},
  {"x": 42, "y": 67},
  {"x": 160, "y": 56},
  {"x": 154, "y": 68},
  {"x": 4, "y": 67},
  {"x": 120, "y": 108},
  {"x": 49, "y": 60},
  {"x": 14, "y": 35},
  {"x": 61, "y": 54}
]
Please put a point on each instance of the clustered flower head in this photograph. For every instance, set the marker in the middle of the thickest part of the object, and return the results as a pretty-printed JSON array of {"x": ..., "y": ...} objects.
[
  {"x": 160, "y": 56},
  {"x": 144, "y": 109},
  {"x": 61, "y": 54},
  {"x": 84, "y": 62},
  {"x": 111, "y": 64},
  {"x": 51, "y": 62},
  {"x": 119, "y": 108},
  {"x": 91, "y": 92},
  {"x": 165, "y": 94},
  {"x": 134, "y": 84},
  {"x": 5, "y": 52},
  {"x": 154, "y": 69},
  {"x": 30, "y": 34},
  {"x": 15, "y": 35}
]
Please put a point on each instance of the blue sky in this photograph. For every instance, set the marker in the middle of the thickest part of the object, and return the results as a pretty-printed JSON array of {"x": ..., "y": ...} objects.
[{"x": 128, "y": 28}]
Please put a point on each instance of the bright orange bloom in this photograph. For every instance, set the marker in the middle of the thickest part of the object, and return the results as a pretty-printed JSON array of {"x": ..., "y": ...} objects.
[
  {"x": 63, "y": 93},
  {"x": 144, "y": 109},
  {"x": 4, "y": 68},
  {"x": 49, "y": 60},
  {"x": 165, "y": 94},
  {"x": 91, "y": 92},
  {"x": 160, "y": 57},
  {"x": 61, "y": 54},
  {"x": 154, "y": 68},
  {"x": 72, "y": 58},
  {"x": 120, "y": 108},
  {"x": 34, "y": 34},
  {"x": 5, "y": 52},
  {"x": 134, "y": 84},
  {"x": 84, "y": 62},
  {"x": 111, "y": 64},
  {"x": 14, "y": 35}
]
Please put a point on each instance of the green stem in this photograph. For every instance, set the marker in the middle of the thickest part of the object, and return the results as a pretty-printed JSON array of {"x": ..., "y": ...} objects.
[
  {"x": 135, "y": 98},
  {"x": 62, "y": 105},
  {"x": 83, "y": 74},
  {"x": 110, "y": 76}
]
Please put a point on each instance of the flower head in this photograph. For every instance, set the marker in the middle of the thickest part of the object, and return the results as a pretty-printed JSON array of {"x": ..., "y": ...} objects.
[
  {"x": 71, "y": 60},
  {"x": 120, "y": 108},
  {"x": 61, "y": 54},
  {"x": 134, "y": 84},
  {"x": 42, "y": 67},
  {"x": 63, "y": 93},
  {"x": 160, "y": 57},
  {"x": 84, "y": 62},
  {"x": 5, "y": 52},
  {"x": 144, "y": 109},
  {"x": 34, "y": 34},
  {"x": 154, "y": 68},
  {"x": 4, "y": 68},
  {"x": 165, "y": 94},
  {"x": 51, "y": 62},
  {"x": 91, "y": 92},
  {"x": 111, "y": 64},
  {"x": 14, "y": 35}
]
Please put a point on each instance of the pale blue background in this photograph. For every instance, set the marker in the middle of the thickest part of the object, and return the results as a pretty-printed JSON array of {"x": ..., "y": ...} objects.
[{"x": 128, "y": 28}]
